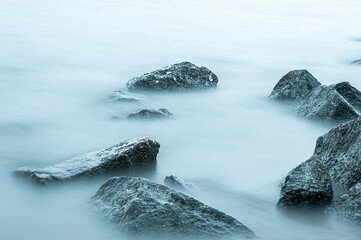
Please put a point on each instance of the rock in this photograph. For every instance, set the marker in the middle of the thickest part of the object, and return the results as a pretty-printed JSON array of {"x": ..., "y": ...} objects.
[
  {"x": 177, "y": 77},
  {"x": 357, "y": 62},
  {"x": 139, "y": 206},
  {"x": 151, "y": 113},
  {"x": 334, "y": 167},
  {"x": 334, "y": 103},
  {"x": 294, "y": 86},
  {"x": 132, "y": 154},
  {"x": 176, "y": 183},
  {"x": 348, "y": 206},
  {"x": 122, "y": 96}
]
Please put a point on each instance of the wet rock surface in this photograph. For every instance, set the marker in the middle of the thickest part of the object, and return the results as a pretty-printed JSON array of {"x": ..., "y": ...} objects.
[
  {"x": 151, "y": 113},
  {"x": 132, "y": 154},
  {"x": 332, "y": 170},
  {"x": 334, "y": 103},
  {"x": 177, "y": 77},
  {"x": 139, "y": 206},
  {"x": 294, "y": 86},
  {"x": 122, "y": 96},
  {"x": 348, "y": 206}
]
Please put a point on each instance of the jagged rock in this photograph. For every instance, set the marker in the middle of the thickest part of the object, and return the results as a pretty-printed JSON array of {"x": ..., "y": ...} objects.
[
  {"x": 177, "y": 77},
  {"x": 294, "y": 86},
  {"x": 139, "y": 206},
  {"x": 306, "y": 186},
  {"x": 122, "y": 96},
  {"x": 335, "y": 163},
  {"x": 151, "y": 113},
  {"x": 132, "y": 154},
  {"x": 176, "y": 183},
  {"x": 357, "y": 62},
  {"x": 348, "y": 206},
  {"x": 335, "y": 103}
]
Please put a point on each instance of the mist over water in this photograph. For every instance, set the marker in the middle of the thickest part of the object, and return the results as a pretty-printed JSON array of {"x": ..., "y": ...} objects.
[{"x": 60, "y": 60}]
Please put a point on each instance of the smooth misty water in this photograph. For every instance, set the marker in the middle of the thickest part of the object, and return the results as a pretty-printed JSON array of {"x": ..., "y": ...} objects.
[{"x": 59, "y": 60}]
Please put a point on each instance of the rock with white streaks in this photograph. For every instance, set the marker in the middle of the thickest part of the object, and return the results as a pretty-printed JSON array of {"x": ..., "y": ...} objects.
[
  {"x": 294, "y": 86},
  {"x": 177, "y": 77},
  {"x": 139, "y": 206},
  {"x": 151, "y": 113},
  {"x": 335, "y": 103},
  {"x": 132, "y": 154}
]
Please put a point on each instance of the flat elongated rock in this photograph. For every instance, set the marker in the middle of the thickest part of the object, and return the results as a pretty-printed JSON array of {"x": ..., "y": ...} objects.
[
  {"x": 294, "y": 86},
  {"x": 348, "y": 206},
  {"x": 151, "y": 113},
  {"x": 357, "y": 62},
  {"x": 177, "y": 77},
  {"x": 334, "y": 103},
  {"x": 132, "y": 154},
  {"x": 336, "y": 163},
  {"x": 137, "y": 205},
  {"x": 121, "y": 96}
]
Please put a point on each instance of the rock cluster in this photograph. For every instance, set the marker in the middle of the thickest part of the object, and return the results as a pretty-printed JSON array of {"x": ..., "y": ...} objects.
[
  {"x": 132, "y": 154},
  {"x": 335, "y": 103},
  {"x": 139, "y": 206},
  {"x": 333, "y": 170}
]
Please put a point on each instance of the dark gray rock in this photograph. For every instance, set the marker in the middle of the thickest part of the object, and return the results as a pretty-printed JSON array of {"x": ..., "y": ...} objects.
[
  {"x": 177, "y": 77},
  {"x": 176, "y": 183},
  {"x": 294, "y": 86},
  {"x": 348, "y": 206},
  {"x": 334, "y": 167},
  {"x": 121, "y": 96},
  {"x": 139, "y": 206},
  {"x": 132, "y": 154},
  {"x": 335, "y": 103},
  {"x": 151, "y": 113},
  {"x": 306, "y": 186}
]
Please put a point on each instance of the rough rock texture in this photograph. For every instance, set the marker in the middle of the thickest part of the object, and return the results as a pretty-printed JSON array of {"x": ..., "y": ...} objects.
[
  {"x": 132, "y": 154},
  {"x": 308, "y": 185},
  {"x": 122, "y": 96},
  {"x": 334, "y": 103},
  {"x": 140, "y": 206},
  {"x": 348, "y": 206},
  {"x": 336, "y": 162},
  {"x": 176, "y": 183},
  {"x": 177, "y": 77},
  {"x": 151, "y": 113},
  {"x": 294, "y": 86}
]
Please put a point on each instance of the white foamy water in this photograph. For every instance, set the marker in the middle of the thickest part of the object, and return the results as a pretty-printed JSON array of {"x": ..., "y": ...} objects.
[{"x": 60, "y": 59}]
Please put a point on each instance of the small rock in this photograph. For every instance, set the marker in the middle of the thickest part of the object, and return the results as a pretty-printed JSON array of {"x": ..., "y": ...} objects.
[
  {"x": 122, "y": 96},
  {"x": 139, "y": 206},
  {"x": 358, "y": 62},
  {"x": 132, "y": 154},
  {"x": 348, "y": 206},
  {"x": 334, "y": 103},
  {"x": 151, "y": 113},
  {"x": 177, "y": 77},
  {"x": 294, "y": 86},
  {"x": 176, "y": 183}
]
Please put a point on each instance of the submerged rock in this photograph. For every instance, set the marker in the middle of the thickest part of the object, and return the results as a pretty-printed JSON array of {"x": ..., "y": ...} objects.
[
  {"x": 332, "y": 170},
  {"x": 294, "y": 86},
  {"x": 335, "y": 103},
  {"x": 132, "y": 154},
  {"x": 177, "y": 77},
  {"x": 348, "y": 206},
  {"x": 122, "y": 96},
  {"x": 176, "y": 183},
  {"x": 137, "y": 205},
  {"x": 151, "y": 113},
  {"x": 357, "y": 62}
]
